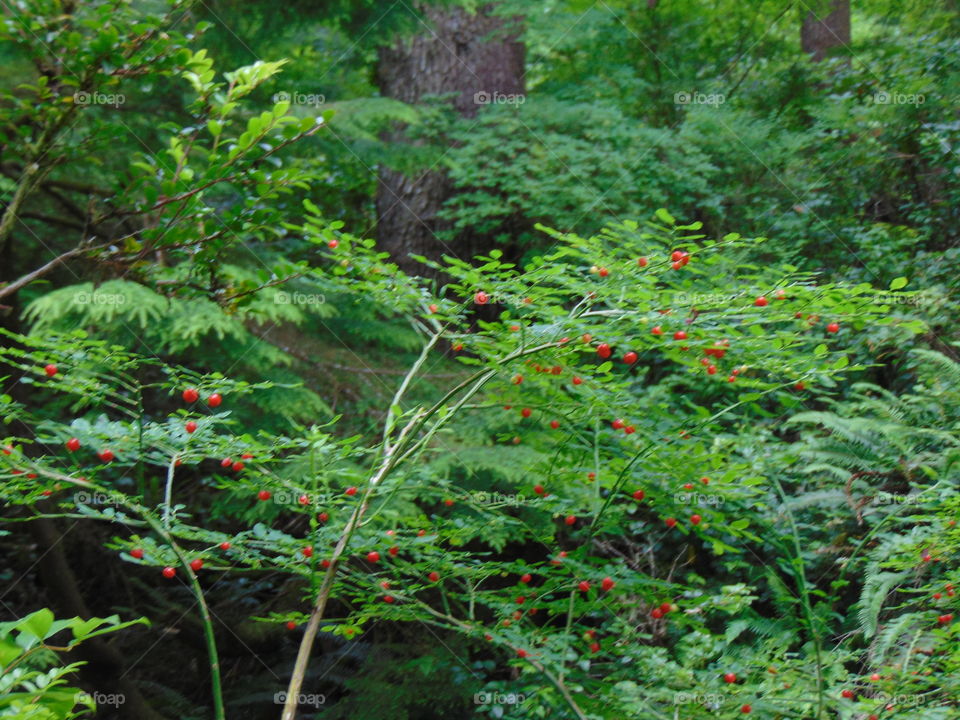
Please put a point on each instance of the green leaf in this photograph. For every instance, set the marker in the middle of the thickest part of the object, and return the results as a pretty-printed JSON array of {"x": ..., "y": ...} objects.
[
  {"x": 898, "y": 283},
  {"x": 37, "y": 624},
  {"x": 665, "y": 217}
]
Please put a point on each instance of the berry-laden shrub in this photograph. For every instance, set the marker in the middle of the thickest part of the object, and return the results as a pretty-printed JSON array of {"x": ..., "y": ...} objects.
[{"x": 604, "y": 383}]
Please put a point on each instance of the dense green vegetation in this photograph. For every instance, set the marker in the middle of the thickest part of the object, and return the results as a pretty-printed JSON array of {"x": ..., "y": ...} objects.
[{"x": 441, "y": 360}]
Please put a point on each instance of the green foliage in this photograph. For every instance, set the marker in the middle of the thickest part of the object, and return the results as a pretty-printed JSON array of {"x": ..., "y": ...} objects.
[{"x": 32, "y": 681}]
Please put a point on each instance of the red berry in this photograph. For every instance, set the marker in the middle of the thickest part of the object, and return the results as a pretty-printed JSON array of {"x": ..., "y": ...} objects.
[
  {"x": 522, "y": 653},
  {"x": 656, "y": 613},
  {"x": 577, "y": 380},
  {"x": 875, "y": 677},
  {"x": 214, "y": 400},
  {"x": 944, "y": 619},
  {"x": 554, "y": 424},
  {"x": 538, "y": 489},
  {"x": 630, "y": 358},
  {"x": 237, "y": 466},
  {"x": 595, "y": 647},
  {"x": 137, "y": 553},
  {"x": 520, "y": 601},
  {"x": 481, "y": 298},
  {"x": 448, "y": 502},
  {"x": 246, "y": 456},
  {"x": 629, "y": 429},
  {"x": 388, "y": 598},
  {"x": 434, "y": 576},
  {"x": 264, "y": 495},
  {"x": 607, "y": 584},
  {"x": 190, "y": 395},
  {"x": 586, "y": 337},
  {"x": 688, "y": 486},
  {"x": 603, "y": 350},
  {"x": 196, "y": 564},
  {"x": 291, "y": 625},
  {"x": 642, "y": 262},
  {"x": 226, "y": 462},
  {"x": 324, "y": 564},
  {"x": 639, "y": 495},
  {"x": 680, "y": 335},
  {"x": 106, "y": 455},
  {"x": 665, "y": 607},
  {"x": 373, "y": 556},
  {"x": 711, "y": 369},
  {"x": 393, "y": 551},
  {"x": 351, "y": 491},
  {"x": 937, "y": 596},
  {"x": 333, "y": 244},
  {"x": 525, "y": 578},
  {"x": 671, "y": 522},
  {"x": 746, "y": 709},
  {"x": 191, "y": 426},
  {"x": 526, "y": 412},
  {"x": 457, "y": 347},
  {"x": 73, "y": 444},
  {"x": 761, "y": 301},
  {"x": 705, "y": 480},
  {"x": 304, "y": 500},
  {"x": 591, "y": 476},
  {"x": 729, "y": 678},
  {"x": 603, "y": 272},
  {"x": 847, "y": 694},
  {"x": 695, "y": 519},
  {"x": 307, "y": 551},
  {"x": 517, "y": 379},
  {"x": 732, "y": 378},
  {"x": 799, "y": 386},
  {"x": 570, "y": 520},
  {"x": 169, "y": 572},
  {"x": 224, "y": 545},
  {"x": 676, "y": 255},
  {"x": 833, "y": 327},
  {"x": 676, "y": 264},
  {"x": 617, "y": 424},
  {"x": 432, "y": 307},
  {"x": 657, "y": 330},
  {"x": 50, "y": 370}
]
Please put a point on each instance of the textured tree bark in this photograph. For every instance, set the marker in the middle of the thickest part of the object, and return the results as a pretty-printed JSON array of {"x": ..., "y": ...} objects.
[
  {"x": 471, "y": 56},
  {"x": 826, "y": 27}
]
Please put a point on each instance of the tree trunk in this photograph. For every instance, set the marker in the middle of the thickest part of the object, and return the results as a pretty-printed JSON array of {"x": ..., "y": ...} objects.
[
  {"x": 826, "y": 27},
  {"x": 473, "y": 56}
]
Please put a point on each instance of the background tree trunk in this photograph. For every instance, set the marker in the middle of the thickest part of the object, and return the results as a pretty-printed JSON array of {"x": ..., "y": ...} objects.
[
  {"x": 826, "y": 27},
  {"x": 457, "y": 52}
]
